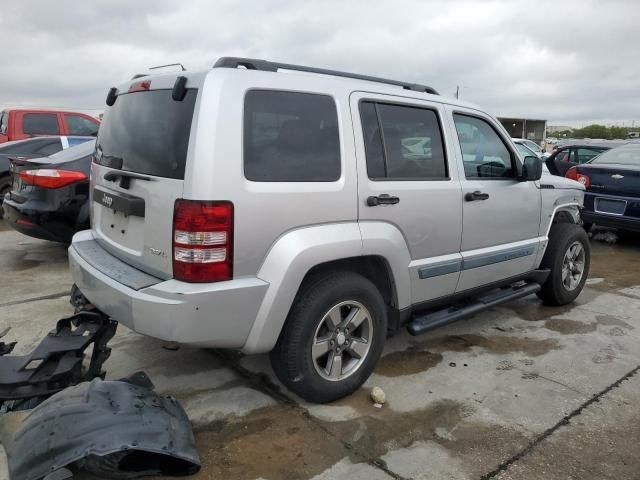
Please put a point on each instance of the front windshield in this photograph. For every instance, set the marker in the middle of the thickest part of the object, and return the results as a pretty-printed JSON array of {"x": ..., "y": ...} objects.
[
  {"x": 625, "y": 155},
  {"x": 532, "y": 145},
  {"x": 525, "y": 151}
]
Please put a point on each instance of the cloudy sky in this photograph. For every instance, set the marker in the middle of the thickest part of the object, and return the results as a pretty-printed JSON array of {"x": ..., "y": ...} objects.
[{"x": 569, "y": 61}]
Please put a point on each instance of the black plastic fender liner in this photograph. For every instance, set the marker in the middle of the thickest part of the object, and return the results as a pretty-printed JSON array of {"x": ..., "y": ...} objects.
[{"x": 116, "y": 429}]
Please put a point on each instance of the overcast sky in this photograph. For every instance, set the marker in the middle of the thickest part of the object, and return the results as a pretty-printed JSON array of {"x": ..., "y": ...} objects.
[{"x": 569, "y": 61}]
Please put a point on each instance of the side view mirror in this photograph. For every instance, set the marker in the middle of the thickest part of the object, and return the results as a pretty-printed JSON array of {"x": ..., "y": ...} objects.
[{"x": 531, "y": 168}]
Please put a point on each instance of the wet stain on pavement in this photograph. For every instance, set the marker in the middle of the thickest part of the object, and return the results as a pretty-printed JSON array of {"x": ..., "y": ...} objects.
[
  {"x": 283, "y": 442},
  {"x": 19, "y": 263},
  {"x": 605, "y": 355},
  {"x": 385, "y": 430},
  {"x": 499, "y": 344},
  {"x": 610, "y": 320},
  {"x": 533, "y": 310},
  {"x": 613, "y": 262},
  {"x": 276, "y": 443},
  {"x": 407, "y": 362},
  {"x": 569, "y": 327},
  {"x": 50, "y": 257}
]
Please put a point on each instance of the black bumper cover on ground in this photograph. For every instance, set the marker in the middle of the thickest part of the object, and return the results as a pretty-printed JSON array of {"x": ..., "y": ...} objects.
[{"x": 56, "y": 363}]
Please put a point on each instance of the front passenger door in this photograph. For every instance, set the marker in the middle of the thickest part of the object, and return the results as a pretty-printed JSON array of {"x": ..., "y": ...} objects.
[{"x": 501, "y": 214}]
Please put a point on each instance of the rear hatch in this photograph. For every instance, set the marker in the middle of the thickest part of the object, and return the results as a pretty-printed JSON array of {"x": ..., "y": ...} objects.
[{"x": 138, "y": 173}]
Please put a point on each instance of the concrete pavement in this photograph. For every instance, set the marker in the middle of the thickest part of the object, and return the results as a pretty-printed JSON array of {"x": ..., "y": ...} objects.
[{"x": 520, "y": 391}]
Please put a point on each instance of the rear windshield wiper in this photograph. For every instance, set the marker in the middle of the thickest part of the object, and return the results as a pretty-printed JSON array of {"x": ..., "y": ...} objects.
[
  {"x": 110, "y": 161},
  {"x": 125, "y": 177}
]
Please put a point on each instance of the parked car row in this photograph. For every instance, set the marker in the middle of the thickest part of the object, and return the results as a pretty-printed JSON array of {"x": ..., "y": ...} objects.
[{"x": 612, "y": 180}]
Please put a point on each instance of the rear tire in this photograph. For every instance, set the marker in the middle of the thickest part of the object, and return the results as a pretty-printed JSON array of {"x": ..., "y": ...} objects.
[
  {"x": 567, "y": 256},
  {"x": 333, "y": 337},
  {"x": 5, "y": 187}
]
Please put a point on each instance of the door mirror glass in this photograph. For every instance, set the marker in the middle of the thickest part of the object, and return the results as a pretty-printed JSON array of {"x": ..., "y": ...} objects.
[{"x": 532, "y": 168}]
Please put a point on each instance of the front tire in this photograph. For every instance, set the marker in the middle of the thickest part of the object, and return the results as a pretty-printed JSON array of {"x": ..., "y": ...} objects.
[
  {"x": 567, "y": 256},
  {"x": 333, "y": 337}
]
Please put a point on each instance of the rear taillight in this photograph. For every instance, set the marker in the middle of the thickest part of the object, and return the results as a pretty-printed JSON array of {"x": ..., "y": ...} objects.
[
  {"x": 573, "y": 174},
  {"x": 202, "y": 241},
  {"x": 51, "y": 178}
]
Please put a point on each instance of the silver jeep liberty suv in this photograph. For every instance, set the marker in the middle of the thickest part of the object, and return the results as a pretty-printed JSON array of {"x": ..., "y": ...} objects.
[{"x": 278, "y": 208}]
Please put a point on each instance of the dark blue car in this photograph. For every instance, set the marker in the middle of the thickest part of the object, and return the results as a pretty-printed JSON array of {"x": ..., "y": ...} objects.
[
  {"x": 612, "y": 180},
  {"x": 49, "y": 197}
]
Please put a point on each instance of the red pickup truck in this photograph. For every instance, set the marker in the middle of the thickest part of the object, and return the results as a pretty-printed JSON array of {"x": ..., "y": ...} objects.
[{"x": 19, "y": 123}]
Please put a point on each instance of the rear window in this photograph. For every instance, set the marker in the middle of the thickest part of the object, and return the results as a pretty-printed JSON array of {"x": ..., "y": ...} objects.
[
  {"x": 40, "y": 124},
  {"x": 627, "y": 155},
  {"x": 147, "y": 132},
  {"x": 41, "y": 147},
  {"x": 290, "y": 137}
]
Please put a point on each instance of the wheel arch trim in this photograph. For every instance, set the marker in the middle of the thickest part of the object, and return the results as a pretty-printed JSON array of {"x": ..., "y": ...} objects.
[{"x": 297, "y": 252}]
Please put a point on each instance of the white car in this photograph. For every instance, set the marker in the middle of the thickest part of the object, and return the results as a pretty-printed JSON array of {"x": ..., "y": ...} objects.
[{"x": 530, "y": 145}]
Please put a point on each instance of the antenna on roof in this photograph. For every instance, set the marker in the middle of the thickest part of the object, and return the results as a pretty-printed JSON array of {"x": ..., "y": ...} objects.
[{"x": 169, "y": 65}]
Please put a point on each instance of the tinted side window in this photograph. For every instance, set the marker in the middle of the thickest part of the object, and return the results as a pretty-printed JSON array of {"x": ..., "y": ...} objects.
[
  {"x": 483, "y": 152},
  {"x": 290, "y": 137},
  {"x": 583, "y": 155},
  {"x": 402, "y": 142},
  {"x": 40, "y": 124},
  {"x": 563, "y": 156},
  {"x": 81, "y": 126}
]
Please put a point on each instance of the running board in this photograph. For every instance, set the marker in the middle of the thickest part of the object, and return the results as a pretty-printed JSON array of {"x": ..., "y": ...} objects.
[{"x": 424, "y": 323}]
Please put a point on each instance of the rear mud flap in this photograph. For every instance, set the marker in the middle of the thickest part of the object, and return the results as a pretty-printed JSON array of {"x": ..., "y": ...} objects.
[{"x": 113, "y": 429}]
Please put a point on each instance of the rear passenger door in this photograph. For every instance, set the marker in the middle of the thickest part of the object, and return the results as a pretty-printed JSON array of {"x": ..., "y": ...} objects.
[
  {"x": 501, "y": 214},
  {"x": 406, "y": 180},
  {"x": 79, "y": 125}
]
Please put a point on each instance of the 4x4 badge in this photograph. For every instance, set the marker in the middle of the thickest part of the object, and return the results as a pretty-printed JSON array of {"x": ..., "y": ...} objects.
[{"x": 156, "y": 251}]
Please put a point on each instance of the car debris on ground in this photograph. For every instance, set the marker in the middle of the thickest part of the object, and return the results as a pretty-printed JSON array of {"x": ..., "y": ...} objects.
[{"x": 113, "y": 429}]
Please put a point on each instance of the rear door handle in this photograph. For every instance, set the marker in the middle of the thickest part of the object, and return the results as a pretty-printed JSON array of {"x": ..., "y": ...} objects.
[
  {"x": 477, "y": 195},
  {"x": 382, "y": 199}
]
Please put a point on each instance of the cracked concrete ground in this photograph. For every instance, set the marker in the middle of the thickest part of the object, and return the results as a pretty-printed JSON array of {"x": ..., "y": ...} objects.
[{"x": 521, "y": 391}]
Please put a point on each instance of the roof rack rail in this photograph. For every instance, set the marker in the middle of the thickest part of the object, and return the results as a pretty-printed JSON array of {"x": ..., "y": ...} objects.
[{"x": 264, "y": 65}]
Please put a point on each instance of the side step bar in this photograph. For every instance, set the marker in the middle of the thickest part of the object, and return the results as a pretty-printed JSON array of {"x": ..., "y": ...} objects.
[{"x": 433, "y": 320}]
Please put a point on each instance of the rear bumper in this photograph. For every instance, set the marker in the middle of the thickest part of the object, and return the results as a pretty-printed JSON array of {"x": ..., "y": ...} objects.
[
  {"x": 630, "y": 220},
  {"x": 204, "y": 315},
  {"x": 621, "y": 222},
  {"x": 28, "y": 219}
]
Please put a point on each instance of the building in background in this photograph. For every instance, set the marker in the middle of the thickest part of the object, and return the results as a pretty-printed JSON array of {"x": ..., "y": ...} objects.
[
  {"x": 551, "y": 129},
  {"x": 528, "y": 128}
]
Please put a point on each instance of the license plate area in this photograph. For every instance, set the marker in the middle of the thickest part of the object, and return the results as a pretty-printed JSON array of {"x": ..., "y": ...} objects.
[
  {"x": 610, "y": 206},
  {"x": 120, "y": 202}
]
